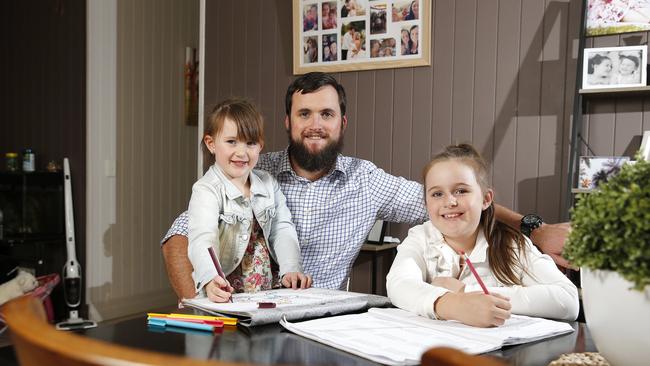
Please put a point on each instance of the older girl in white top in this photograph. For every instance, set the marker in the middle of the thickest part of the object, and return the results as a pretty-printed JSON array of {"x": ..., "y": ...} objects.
[{"x": 429, "y": 277}]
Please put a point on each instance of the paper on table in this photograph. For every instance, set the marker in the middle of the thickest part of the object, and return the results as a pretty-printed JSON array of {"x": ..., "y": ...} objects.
[
  {"x": 516, "y": 330},
  {"x": 397, "y": 337}
]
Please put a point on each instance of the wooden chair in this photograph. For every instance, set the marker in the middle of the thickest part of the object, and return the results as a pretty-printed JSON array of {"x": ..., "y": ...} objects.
[
  {"x": 37, "y": 343},
  {"x": 443, "y": 356}
]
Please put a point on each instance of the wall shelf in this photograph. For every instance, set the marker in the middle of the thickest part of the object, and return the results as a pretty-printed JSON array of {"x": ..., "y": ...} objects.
[{"x": 615, "y": 92}]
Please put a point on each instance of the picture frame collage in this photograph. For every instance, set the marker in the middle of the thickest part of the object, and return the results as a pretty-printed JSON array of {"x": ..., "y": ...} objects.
[{"x": 351, "y": 35}]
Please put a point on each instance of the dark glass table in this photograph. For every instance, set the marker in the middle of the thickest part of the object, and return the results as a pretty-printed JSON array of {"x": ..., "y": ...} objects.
[{"x": 271, "y": 344}]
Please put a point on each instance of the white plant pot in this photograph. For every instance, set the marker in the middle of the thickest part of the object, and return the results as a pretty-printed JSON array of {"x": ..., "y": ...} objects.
[{"x": 618, "y": 317}]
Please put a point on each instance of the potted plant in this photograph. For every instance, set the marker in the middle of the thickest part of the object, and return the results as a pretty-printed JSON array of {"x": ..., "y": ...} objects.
[{"x": 610, "y": 241}]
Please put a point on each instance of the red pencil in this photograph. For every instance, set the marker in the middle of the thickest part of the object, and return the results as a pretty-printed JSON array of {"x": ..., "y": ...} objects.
[
  {"x": 471, "y": 268},
  {"x": 215, "y": 260}
]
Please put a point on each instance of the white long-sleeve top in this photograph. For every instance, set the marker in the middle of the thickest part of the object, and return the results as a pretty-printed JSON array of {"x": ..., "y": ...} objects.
[{"x": 424, "y": 255}]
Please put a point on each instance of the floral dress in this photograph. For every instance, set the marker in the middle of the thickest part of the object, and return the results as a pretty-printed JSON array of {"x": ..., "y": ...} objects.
[{"x": 257, "y": 271}]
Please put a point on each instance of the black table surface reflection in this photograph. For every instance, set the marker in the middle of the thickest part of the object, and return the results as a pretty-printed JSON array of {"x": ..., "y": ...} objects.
[{"x": 271, "y": 344}]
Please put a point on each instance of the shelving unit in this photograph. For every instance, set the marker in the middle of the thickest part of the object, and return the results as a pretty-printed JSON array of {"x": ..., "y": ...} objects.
[
  {"x": 581, "y": 190},
  {"x": 581, "y": 97}
]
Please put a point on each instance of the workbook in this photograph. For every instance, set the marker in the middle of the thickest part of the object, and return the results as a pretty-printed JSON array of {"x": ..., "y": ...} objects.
[
  {"x": 397, "y": 337},
  {"x": 294, "y": 305}
]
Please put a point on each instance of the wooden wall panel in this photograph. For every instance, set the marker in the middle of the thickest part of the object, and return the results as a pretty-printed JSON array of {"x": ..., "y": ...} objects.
[
  {"x": 403, "y": 116},
  {"x": 463, "y": 71},
  {"x": 442, "y": 58},
  {"x": 508, "y": 46},
  {"x": 528, "y": 105},
  {"x": 155, "y": 153},
  {"x": 485, "y": 75},
  {"x": 502, "y": 77},
  {"x": 365, "y": 115}
]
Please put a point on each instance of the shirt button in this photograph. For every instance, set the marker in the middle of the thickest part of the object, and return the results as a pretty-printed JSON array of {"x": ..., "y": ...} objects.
[
  {"x": 307, "y": 211},
  {"x": 244, "y": 237}
]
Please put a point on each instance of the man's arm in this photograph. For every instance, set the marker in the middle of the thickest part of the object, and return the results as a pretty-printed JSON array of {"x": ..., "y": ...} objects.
[
  {"x": 179, "y": 267},
  {"x": 549, "y": 238}
]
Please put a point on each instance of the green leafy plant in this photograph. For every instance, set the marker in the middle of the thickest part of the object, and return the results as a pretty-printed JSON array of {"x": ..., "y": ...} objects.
[{"x": 610, "y": 228}]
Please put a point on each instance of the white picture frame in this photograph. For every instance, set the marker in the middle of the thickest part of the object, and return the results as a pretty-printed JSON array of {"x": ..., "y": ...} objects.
[
  {"x": 645, "y": 146},
  {"x": 614, "y": 67}
]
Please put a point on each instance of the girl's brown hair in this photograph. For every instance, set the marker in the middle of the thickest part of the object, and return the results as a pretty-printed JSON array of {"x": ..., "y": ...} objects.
[
  {"x": 250, "y": 124},
  {"x": 502, "y": 255}
]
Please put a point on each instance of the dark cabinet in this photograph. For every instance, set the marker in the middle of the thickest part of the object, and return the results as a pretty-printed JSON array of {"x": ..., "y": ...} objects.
[{"x": 33, "y": 226}]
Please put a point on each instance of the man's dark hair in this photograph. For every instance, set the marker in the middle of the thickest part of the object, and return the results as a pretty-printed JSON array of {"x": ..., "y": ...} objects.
[{"x": 311, "y": 82}]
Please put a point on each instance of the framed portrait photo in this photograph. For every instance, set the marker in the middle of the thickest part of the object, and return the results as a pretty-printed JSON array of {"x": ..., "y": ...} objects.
[
  {"x": 614, "y": 67},
  {"x": 595, "y": 170},
  {"x": 617, "y": 16},
  {"x": 352, "y": 35}
]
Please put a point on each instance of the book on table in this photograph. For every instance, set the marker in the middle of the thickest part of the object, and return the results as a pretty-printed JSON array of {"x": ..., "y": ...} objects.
[{"x": 396, "y": 337}]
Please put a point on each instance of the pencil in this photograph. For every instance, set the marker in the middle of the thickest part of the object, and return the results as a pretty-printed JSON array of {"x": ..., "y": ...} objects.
[
  {"x": 471, "y": 268},
  {"x": 215, "y": 260}
]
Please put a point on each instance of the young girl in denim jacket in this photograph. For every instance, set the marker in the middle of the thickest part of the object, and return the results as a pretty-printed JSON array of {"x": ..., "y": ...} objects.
[
  {"x": 240, "y": 212},
  {"x": 429, "y": 277}
]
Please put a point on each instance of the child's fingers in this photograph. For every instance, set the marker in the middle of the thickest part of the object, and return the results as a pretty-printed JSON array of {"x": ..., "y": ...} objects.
[
  {"x": 221, "y": 282},
  {"x": 218, "y": 290},
  {"x": 218, "y": 295}
]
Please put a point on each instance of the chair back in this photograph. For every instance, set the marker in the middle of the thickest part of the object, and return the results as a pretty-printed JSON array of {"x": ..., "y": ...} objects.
[
  {"x": 37, "y": 343},
  {"x": 444, "y": 356}
]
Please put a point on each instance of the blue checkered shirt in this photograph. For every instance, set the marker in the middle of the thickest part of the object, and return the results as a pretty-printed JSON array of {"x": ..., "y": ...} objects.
[{"x": 334, "y": 214}]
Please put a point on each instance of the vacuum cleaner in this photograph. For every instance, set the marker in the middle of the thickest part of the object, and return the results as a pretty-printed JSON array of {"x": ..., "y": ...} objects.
[{"x": 72, "y": 285}]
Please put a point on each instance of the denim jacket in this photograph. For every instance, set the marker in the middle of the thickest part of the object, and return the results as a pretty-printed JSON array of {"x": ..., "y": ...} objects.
[{"x": 220, "y": 216}]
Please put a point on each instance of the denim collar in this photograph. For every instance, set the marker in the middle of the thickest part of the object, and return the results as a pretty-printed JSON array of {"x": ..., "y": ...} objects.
[{"x": 232, "y": 192}]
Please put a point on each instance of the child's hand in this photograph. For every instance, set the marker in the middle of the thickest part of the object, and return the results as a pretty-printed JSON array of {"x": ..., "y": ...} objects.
[
  {"x": 296, "y": 280},
  {"x": 218, "y": 290},
  {"x": 449, "y": 283},
  {"x": 474, "y": 308}
]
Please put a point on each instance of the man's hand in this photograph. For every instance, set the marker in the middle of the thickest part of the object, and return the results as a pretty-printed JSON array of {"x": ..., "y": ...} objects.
[
  {"x": 296, "y": 280},
  {"x": 449, "y": 283},
  {"x": 218, "y": 290},
  {"x": 550, "y": 239}
]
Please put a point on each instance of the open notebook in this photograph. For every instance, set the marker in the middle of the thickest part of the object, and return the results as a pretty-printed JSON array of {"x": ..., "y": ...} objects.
[
  {"x": 290, "y": 304},
  {"x": 396, "y": 337}
]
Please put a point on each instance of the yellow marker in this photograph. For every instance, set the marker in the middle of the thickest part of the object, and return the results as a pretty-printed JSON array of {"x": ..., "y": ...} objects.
[{"x": 225, "y": 320}]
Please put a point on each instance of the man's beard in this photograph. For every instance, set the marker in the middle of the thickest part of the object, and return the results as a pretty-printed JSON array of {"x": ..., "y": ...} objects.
[{"x": 322, "y": 160}]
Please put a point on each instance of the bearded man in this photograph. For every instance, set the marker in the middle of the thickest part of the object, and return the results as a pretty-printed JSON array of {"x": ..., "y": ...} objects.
[{"x": 334, "y": 199}]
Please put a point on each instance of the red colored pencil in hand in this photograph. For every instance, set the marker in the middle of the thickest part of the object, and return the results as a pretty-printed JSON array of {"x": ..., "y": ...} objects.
[{"x": 471, "y": 268}]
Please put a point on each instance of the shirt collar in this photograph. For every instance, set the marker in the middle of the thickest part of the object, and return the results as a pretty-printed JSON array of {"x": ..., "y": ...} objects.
[{"x": 478, "y": 254}]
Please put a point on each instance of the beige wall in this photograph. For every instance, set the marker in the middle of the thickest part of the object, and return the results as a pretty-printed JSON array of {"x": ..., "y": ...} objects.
[
  {"x": 502, "y": 77},
  {"x": 155, "y": 155}
]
